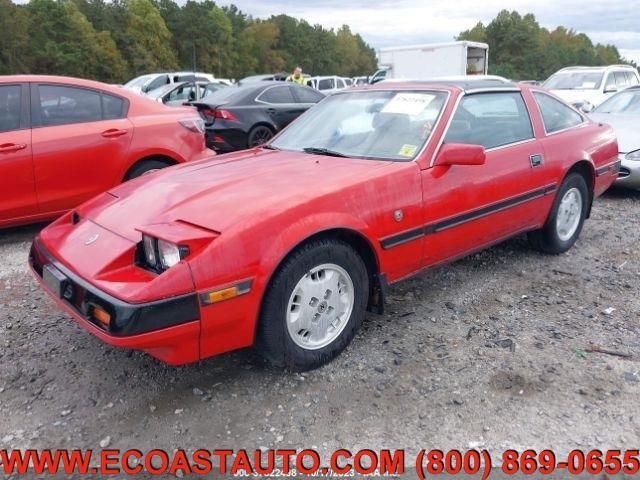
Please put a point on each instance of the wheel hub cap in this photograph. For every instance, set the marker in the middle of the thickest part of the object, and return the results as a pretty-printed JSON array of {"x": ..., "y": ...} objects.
[
  {"x": 320, "y": 306},
  {"x": 569, "y": 213}
]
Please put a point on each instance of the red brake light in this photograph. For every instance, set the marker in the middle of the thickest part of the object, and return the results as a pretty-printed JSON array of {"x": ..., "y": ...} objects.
[{"x": 219, "y": 113}]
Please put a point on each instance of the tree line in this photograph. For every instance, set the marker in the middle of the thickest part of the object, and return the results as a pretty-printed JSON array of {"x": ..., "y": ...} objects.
[
  {"x": 519, "y": 48},
  {"x": 115, "y": 40}
]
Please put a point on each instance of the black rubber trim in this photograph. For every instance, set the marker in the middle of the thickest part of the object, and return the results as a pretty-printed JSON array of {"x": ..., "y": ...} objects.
[
  {"x": 436, "y": 227},
  {"x": 401, "y": 238},
  {"x": 613, "y": 167},
  {"x": 126, "y": 318}
]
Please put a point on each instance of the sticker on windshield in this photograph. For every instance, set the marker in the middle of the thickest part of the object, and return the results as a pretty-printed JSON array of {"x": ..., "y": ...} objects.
[
  {"x": 408, "y": 103},
  {"x": 407, "y": 150},
  {"x": 589, "y": 85}
]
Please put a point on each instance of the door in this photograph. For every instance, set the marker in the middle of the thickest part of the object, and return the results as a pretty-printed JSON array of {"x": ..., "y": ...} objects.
[
  {"x": 281, "y": 105},
  {"x": 467, "y": 207},
  {"x": 17, "y": 187},
  {"x": 80, "y": 140}
]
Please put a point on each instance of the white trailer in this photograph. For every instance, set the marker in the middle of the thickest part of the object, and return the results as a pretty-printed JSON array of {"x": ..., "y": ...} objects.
[{"x": 419, "y": 62}]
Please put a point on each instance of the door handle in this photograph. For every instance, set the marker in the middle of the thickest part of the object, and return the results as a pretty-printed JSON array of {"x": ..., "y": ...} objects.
[
  {"x": 536, "y": 160},
  {"x": 113, "y": 133},
  {"x": 12, "y": 147},
  {"x": 272, "y": 111}
]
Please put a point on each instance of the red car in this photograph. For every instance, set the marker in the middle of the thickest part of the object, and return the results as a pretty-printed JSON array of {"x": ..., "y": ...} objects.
[
  {"x": 64, "y": 140},
  {"x": 284, "y": 247}
]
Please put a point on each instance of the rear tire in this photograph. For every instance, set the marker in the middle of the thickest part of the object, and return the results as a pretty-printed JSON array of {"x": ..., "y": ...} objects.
[
  {"x": 146, "y": 166},
  {"x": 259, "y": 135},
  {"x": 313, "y": 306},
  {"x": 564, "y": 224}
]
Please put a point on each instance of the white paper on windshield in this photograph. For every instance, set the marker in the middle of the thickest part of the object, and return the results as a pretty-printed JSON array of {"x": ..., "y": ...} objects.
[
  {"x": 589, "y": 85},
  {"x": 408, "y": 103}
]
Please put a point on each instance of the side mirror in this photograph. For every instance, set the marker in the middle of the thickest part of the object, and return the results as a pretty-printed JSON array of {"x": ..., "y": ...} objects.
[{"x": 460, "y": 154}]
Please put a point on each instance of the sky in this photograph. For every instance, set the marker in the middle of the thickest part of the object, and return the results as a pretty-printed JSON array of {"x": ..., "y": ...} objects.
[{"x": 405, "y": 22}]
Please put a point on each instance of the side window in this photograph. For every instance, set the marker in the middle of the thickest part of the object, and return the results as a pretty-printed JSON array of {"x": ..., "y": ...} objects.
[
  {"x": 490, "y": 120},
  {"x": 60, "y": 105},
  {"x": 555, "y": 114},
  {"x": 611, "y": 82},
  {"x": 10, "y": 107},
  {"x": 308, "y": 95},
  {"x": 277, "y": 95},
  {"x": 621, "y": 80},
  {"x": 181, "y": 93},
  {"x": 632, "y": 78},
  {"x": 325, "y": 84},
  {"x": 112, "y": 107},
  {"x": 157, "y": 82}
]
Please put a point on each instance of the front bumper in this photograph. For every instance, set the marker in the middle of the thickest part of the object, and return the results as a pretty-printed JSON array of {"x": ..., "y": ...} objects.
[
  {"x": 629, "y": 175},
  {"x": 167, "y": 329}
]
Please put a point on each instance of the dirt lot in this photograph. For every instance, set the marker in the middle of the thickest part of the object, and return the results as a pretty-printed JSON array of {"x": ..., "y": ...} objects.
[{"x": 488, "y": 351}]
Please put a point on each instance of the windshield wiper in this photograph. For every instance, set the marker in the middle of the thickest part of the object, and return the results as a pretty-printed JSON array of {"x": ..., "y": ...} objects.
[
  {"x": 269, "y": 147},
  {"x": 323, "y": 151}
]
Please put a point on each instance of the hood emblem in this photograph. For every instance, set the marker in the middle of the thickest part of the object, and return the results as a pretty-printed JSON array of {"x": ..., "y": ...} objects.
[
  {"x": 398, "y": 215},
  {"x": 91, "y": 239}
]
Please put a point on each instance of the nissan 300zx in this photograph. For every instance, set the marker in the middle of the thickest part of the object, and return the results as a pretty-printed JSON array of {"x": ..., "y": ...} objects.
[{"x": 286, "y": 246}]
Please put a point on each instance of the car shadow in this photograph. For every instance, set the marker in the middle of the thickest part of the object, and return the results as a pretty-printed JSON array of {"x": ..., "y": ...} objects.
[
  {"x": 619, "y": 193},
  {"x": 23, "y": 233}
]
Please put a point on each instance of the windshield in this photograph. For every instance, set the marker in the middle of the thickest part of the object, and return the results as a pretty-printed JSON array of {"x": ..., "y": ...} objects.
[
  {"x": 625, "y": 102},
  {"x": 138, "y": 81},
  {"x": 371, "y": 124},
  {"x": 574, "y": 81}
]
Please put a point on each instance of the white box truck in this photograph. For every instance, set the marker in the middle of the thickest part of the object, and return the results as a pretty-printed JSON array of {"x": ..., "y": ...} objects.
[{"x": 419, "y": 62}]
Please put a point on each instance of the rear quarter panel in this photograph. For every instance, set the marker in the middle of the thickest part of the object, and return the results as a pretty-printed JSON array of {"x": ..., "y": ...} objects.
[{"x": 162, "y": 135}]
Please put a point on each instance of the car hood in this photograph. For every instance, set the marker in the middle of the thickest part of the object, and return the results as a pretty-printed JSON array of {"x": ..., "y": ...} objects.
[
  {"x": 626, "y": 128},
  {"x": 226, "y": 190}
]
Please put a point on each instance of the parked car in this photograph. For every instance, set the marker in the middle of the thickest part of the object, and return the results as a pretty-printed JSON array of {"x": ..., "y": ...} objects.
[
  {"x": 270, "y": 77},
  {"x": 176, "y": 94},
  {"x": 285, "y": 246},
  {"x": 622, "y": 112},
  {"x": 328, "y": 84},
  {"x": 359, "y": 81},
  {"x": 149, "y": 82},
  {"x": 246, "y": 116},
  {"x": 587, "y": 87},
  {"x": 64, "y": 140}
]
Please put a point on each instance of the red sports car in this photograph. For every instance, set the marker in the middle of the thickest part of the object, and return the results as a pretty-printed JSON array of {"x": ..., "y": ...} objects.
[
  {"x": 284, "y": 247},
  {"x": 64, "y": 140}
]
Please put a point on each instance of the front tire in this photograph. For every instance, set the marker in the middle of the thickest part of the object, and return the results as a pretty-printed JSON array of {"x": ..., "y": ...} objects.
[
  {"x": 313, "y": 306},
  {"x": 564, "y": 224}
]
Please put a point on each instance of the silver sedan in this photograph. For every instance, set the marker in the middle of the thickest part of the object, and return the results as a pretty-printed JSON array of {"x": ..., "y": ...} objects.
[{"x": 622, "y": 112}]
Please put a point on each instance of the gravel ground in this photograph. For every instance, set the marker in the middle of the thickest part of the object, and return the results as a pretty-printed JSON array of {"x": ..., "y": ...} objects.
[{"x": 487, "y": 352}]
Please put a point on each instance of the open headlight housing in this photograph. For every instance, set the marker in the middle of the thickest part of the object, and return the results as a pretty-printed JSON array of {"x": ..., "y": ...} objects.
[
  {"x": 635, "y": 155},
  {"x": 159, "y": 255}
]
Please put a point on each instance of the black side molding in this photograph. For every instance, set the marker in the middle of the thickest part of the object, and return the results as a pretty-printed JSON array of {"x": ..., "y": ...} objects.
[{"x": 410, "y": 235}]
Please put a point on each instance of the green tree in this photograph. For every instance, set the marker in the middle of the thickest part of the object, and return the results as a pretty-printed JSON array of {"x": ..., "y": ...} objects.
[
  {"x": 14, "y": 39},
  {"x": 521, "y": 49},
  {"x": 148, "y": 46}
]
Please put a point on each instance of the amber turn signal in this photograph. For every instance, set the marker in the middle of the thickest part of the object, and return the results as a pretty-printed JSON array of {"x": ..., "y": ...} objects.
[
  {"x": 103, "y": 317},
  {"x": 227, "y": 293}
]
